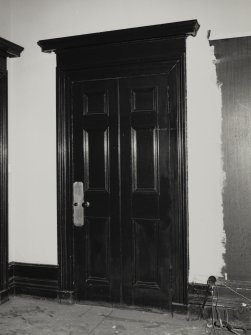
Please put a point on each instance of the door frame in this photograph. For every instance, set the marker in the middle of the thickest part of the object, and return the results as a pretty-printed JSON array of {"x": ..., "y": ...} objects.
[
  {"x": 73, "y": 54},
  {"x": 7, "y": 49}
]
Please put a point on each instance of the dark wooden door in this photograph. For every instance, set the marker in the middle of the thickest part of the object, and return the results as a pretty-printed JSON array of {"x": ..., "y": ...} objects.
[
  {"x": 126, "y": 155},
  {"x": 128, "y": 147}
]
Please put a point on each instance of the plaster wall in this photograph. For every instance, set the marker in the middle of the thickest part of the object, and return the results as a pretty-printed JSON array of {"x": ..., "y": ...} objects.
[
  {"x": 5, "y": 19},
  {"x": 32, "y": 116}
]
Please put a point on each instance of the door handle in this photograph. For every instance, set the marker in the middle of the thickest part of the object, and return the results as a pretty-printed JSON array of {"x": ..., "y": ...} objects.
[{"x": 79, "y": 204}]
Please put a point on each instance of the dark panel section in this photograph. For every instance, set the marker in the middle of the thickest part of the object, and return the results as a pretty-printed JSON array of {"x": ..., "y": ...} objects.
[
  {"x": 142, "y": 120},
  {"x": 234, "y": 72},
  {"x": 35, "y": 271},
  {"x": 98, "y": 248},
  {"x": 119, "y": 70},
  {"x": 95, "y": 122},
  {"x": 96, "y": 162},
  {"x": 144, "y": 99},
  {"x": 145, "y": 169},
  {"x": 121, "y": 54},
  {"x": 145, "y": 205},
  {"x": 146, "y": 237},
  {"x": 95, "y": 103},
  {"x": 165, "y": 177}
]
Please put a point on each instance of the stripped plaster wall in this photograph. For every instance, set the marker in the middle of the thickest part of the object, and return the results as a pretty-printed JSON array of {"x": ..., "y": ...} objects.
[{"x": 32, "y": 130}]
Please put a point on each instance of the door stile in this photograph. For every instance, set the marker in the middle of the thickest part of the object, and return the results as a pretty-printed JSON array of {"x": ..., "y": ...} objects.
[
  {"x": 183, "y": 178},
  {"x": 64, "y": 187},
  {"x": 119, "y": 193},
  {"x": 3, "y": 186}
]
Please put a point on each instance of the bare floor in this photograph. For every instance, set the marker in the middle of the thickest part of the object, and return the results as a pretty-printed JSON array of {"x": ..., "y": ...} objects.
[
  {"x": 24, "y": 315},
  {"x": 31, "y": 316}
]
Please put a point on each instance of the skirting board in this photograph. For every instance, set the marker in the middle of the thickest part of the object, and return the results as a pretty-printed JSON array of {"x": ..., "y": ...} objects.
[
  {"x": 42, "y": 280},
  {"x": 33, "y": 279},
  {"x": 4, "y": 296}
]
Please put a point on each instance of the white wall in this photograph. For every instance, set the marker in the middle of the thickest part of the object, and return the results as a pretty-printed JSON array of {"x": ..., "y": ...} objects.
[
  {"x": 5, "y": 19},
  {"x": 32, "y": 127},
  {"x": 205, "y": 167}
]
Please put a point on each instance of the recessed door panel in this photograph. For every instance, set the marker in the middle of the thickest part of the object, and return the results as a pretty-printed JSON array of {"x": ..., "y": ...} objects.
[
  {"x": 146, "y": 238},
  {"x": 144, "y": 99},
  {"x": 145, "y": 172},
  {"x": 98, "y": 249},
  {"x": 96, "y": 144},
  {"x": 95, "y": 102}
]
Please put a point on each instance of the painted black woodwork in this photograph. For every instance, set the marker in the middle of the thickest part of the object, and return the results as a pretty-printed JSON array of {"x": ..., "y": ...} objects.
[
  {"x": 233, "y": 68},
  {"x": 121, "y": 130},
  {"x": 169, "y": 30},
  {"x": 42, "y": 280},
  {"x": 33, "y": 279},
  {"x": 7, "y": 49}
]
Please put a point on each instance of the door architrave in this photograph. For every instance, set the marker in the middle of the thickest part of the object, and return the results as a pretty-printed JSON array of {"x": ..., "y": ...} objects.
[
  {"x": 101, "y": 53},
  {"x": 7, "y": 50}
]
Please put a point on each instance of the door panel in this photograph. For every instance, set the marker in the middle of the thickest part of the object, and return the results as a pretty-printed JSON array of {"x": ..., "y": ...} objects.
[
  {"x": 146, "y": 236},
  {"x": 144, "y": 161},
  {"x": 97, "y": 249},
  {"x": 97, "y": 259},
  {"x": 96, "y": 144}
]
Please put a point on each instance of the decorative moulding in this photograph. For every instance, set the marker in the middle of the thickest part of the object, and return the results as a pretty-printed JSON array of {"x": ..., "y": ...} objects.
[
  {"x": 10, "y": 49},
  {"x": 167, "y": 30}
]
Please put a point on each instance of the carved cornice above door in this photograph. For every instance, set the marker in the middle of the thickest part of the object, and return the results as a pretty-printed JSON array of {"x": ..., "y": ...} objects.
[
  {"x": 166, "y": 30},
  {"x": 9, "y": 49}
]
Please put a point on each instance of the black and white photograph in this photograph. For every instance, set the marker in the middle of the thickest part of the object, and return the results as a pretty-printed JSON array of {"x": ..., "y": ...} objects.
[{"x": 125, "y": 167}]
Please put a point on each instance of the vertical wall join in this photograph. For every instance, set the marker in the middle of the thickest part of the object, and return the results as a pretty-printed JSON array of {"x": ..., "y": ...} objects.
[{"x": 205, "y": 173}]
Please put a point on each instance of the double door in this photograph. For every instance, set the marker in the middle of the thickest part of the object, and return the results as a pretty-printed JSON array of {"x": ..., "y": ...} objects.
[{"x": 129, "y": 247}]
